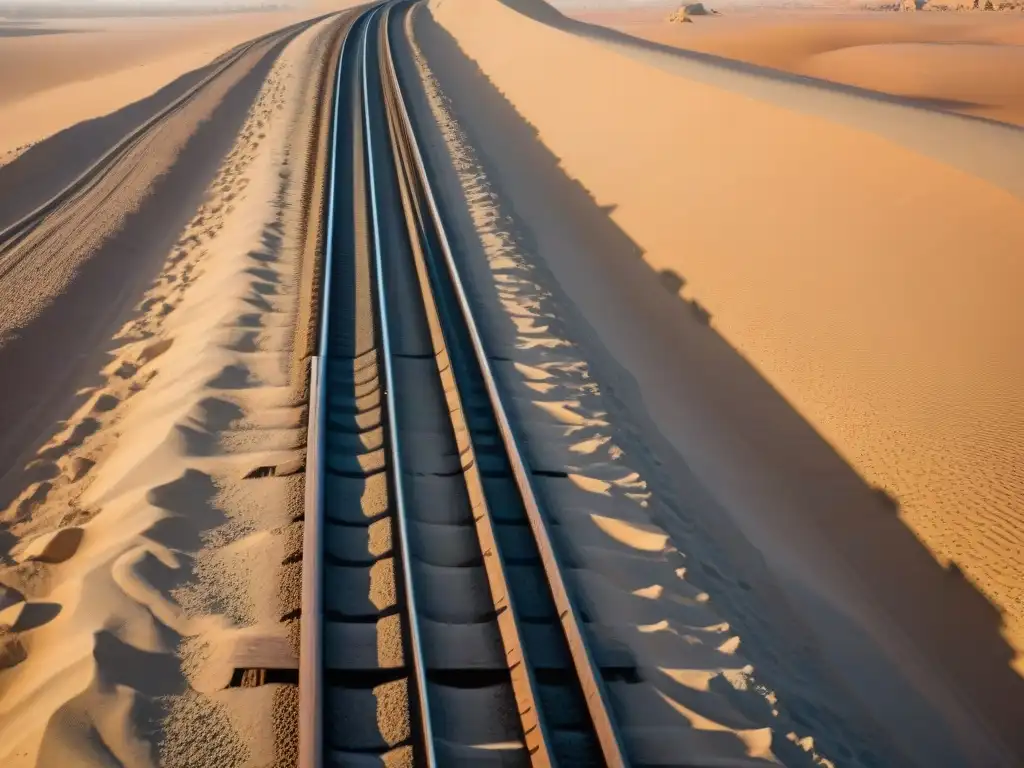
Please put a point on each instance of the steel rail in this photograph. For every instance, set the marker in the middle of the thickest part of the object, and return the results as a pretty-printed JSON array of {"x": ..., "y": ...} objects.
[
  {"x": 522, "y": 677},
  {"x": 394, "y": 442},
  {"x": 311, "y": 742},
  {"x": 311, "y": 652},
  {"x": 594, "y": 690}
]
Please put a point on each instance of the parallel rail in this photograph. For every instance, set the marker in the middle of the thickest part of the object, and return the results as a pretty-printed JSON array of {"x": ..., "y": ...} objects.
[
  {"x": 583, "y": 659},
  {"x": 541, "y": 653},
  {"x": 310, "y": 710},
  {"x": 415, "y": 636}
]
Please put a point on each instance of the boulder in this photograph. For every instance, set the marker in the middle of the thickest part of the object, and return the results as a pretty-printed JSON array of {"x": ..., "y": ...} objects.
[{"x": 683, "y": 13}]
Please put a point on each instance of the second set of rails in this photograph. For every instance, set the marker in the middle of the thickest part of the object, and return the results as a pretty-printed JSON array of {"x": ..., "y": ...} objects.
[
  {"x": 437, "y": 626},
  {"x": 12, "y": 235}
]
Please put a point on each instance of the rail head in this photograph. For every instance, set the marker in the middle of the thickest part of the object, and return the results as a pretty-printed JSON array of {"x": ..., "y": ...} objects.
[
  {"x": 536, "y": 734},
  {"x": 594, "y": 690},
  {"x": 311, "y": 696},
  {"x": 394, "y": 443}
]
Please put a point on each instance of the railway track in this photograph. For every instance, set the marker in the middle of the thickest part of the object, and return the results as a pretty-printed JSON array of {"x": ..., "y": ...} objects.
[{"x": 437, "y": 626}]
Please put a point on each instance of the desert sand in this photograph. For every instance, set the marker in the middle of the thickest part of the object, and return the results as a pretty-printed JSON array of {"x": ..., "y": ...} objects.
[
  {"x": 971, "y": 63},
  {"x": 742, "y": 305},
  {"x": 59, "y": 72},
  {"x": 137, "y": 555},
  {"x": 841, "y": 317}
]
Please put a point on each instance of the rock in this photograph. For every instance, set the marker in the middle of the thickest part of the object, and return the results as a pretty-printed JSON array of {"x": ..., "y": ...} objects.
[{"x": 683, "y": 13}]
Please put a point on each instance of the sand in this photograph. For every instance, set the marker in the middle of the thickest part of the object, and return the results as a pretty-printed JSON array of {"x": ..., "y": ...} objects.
[
  {"x": 847, "y": 269},
  {"x": 972, "y": 63},
  {"x": 138, "y": 553},
  {"x": 71, "y": 70}
]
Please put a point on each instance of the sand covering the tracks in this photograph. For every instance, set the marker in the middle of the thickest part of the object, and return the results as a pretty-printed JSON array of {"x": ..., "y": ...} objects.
[
  {"x": 875, "y": 286},
  {"x": 145, "y": 553},
  {"x": 58, "y": 72},
  {"x": 962, "y": 62}
]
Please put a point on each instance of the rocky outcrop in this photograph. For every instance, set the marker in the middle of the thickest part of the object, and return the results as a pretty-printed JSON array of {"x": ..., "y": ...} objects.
[
  {"x": 953, "y": 5},
  {"x": 971, "y": 5},
  {"x": 684, "y": 13}
]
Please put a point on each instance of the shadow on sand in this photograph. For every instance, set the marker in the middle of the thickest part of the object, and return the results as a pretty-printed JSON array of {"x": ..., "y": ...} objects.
[{"x": 944, "y": 620}]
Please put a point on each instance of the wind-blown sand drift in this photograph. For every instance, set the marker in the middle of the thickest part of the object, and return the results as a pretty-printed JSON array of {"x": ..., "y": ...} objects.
[{"x": 862, "y": 256}]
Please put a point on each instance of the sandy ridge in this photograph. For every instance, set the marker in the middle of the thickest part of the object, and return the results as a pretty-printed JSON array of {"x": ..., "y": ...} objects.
[{"x": 165, "y": 545}]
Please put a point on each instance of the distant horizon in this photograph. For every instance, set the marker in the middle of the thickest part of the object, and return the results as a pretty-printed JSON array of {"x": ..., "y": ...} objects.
[
  {"x": 145, "y": 3},
  {"x": 14, "y": 9},
  {"x": 39, "y": 9},
  {"x": 727, "y": 4}
]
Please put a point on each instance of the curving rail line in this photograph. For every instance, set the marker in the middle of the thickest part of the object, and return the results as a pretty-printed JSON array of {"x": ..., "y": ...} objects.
[{"x": 437, "y": 627}]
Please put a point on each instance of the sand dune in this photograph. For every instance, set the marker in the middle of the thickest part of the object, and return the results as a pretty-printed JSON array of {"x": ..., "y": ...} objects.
[
  {"x": 863, "y": 257},
  {"x": 144, "y": 554},
  {"x": 971, "y": 63}
]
